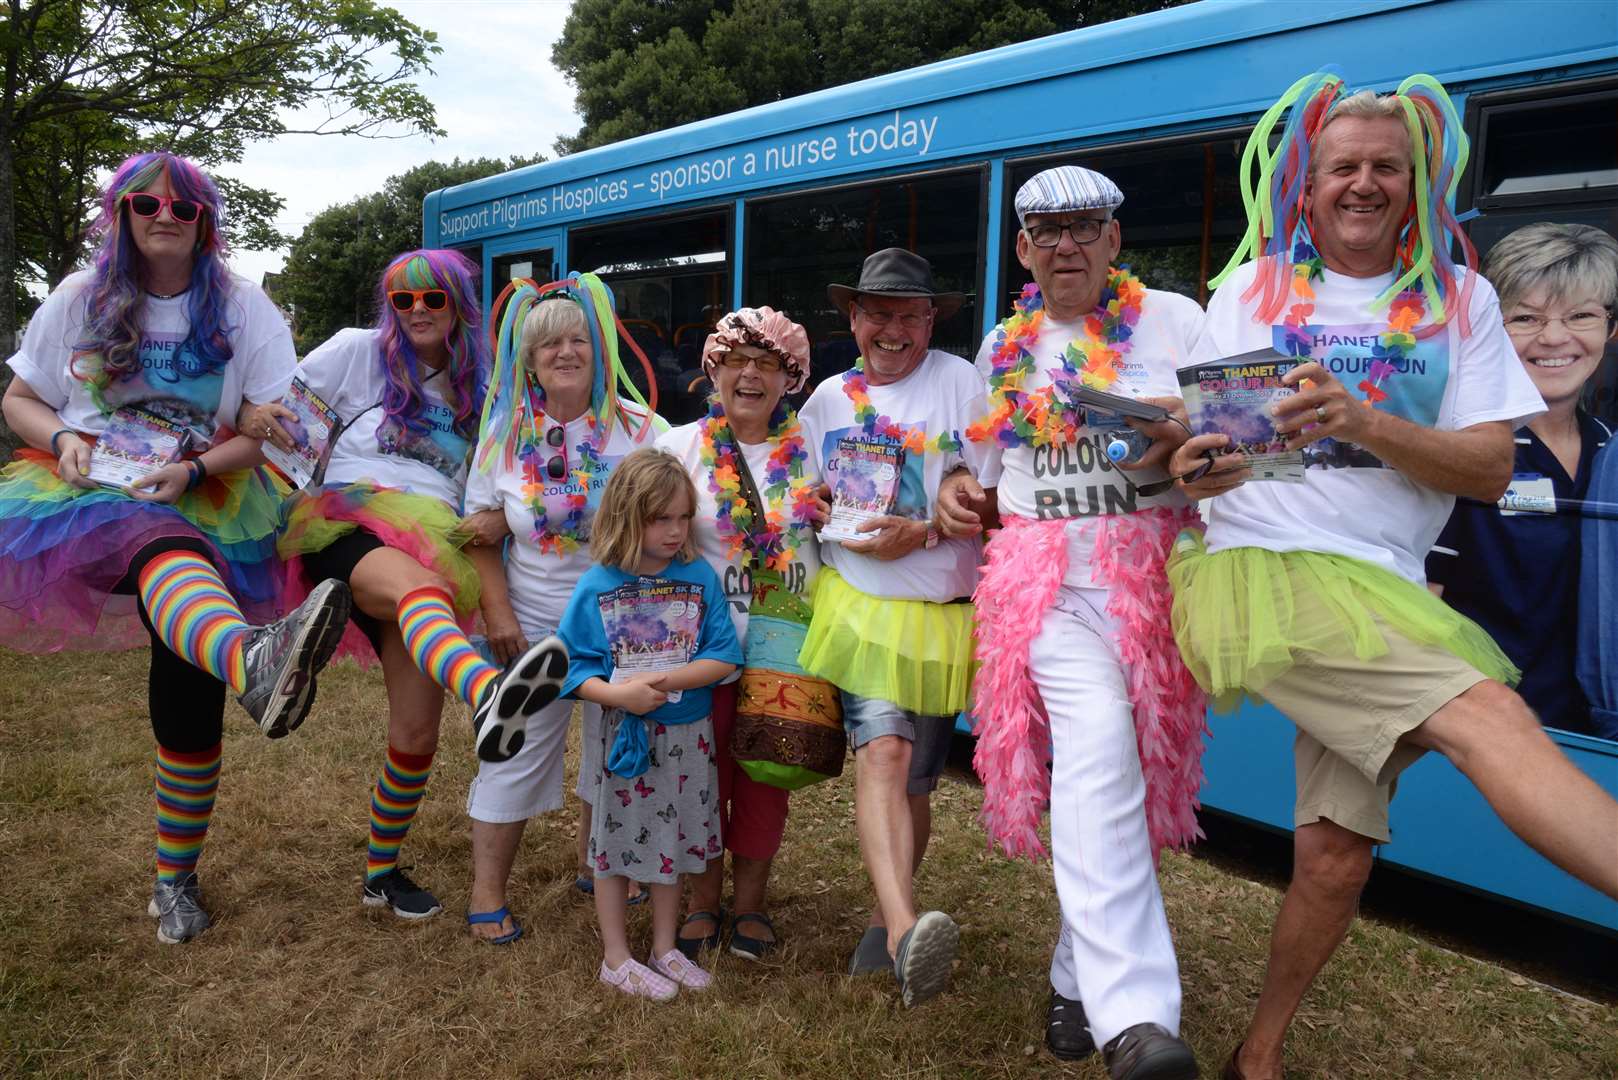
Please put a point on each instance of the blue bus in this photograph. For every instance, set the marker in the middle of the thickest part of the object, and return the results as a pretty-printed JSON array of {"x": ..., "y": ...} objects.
[{"x": 771, "y": 204}]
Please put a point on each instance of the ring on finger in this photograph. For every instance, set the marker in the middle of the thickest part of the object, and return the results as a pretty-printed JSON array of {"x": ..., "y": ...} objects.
[{"x": 1320, "y": 413}]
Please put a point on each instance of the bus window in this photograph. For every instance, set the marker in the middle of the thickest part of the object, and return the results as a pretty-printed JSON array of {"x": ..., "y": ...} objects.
[
  {"x": 1181, "y": 217},
  {"x": 1550, "y": 146},
  {"x": 799, "y": 244},
  {"x": 671, "y": 280}
]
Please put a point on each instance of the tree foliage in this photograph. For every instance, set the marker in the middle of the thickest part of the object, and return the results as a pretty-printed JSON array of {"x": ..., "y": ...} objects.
[
  {"x": 88, "y": 83},
  {"x": 331, "y": 270},
  {"x": 644, "y": 65}
]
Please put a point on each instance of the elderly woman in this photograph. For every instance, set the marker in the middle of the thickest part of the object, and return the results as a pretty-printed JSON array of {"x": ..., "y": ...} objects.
[
  {"x": 159, "y": 343},
  {"x": 1517, "y": 574},
  {"x": 386, "y": 520},
  {"x": 554, "y": 428},
  {"x": 754, "y": 523}
]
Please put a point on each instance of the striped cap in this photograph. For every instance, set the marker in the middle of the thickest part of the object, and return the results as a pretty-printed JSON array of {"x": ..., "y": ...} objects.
[{"x": 1066, "y": 188}]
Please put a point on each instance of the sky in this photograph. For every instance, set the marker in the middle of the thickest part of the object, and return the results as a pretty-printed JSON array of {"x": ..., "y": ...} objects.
[{"x": 493, "y": 86}]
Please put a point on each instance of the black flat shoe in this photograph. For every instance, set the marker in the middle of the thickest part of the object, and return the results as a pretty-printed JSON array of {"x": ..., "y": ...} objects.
[{"x": 1067, "y": 1032}]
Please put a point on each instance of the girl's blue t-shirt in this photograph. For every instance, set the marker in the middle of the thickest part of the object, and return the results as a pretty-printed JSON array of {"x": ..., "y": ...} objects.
[{"x": 680, "y": 615}]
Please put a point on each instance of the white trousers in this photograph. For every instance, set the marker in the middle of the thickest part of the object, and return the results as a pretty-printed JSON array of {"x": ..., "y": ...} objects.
[
  {"x": 1114, "y": 953},
  {"x": 530, "y": 782}
]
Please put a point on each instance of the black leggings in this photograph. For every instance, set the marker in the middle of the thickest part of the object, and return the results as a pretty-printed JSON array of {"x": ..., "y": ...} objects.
[
  {"x": 337, "y": 560},
  {"x": 187, "y": 704}
]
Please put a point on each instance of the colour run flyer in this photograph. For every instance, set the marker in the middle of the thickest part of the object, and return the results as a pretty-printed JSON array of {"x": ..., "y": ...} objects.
[
  {"x": 1234, "y": 397},
  {"x": 652, "y": 625},
  {"x": 134, "y": 445},
  {"x": 311, "y": 429},
  {"x": 867, "y": 485}
]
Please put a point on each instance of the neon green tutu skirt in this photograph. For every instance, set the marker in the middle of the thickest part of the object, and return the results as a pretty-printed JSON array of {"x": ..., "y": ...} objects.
[
  {"x": 1238, "y": 615},
  {"x": 913, "y": 653}
]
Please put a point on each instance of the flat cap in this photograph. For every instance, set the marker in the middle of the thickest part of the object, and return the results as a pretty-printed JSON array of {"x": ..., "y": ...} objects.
[{"x": 1064, "y": 189}]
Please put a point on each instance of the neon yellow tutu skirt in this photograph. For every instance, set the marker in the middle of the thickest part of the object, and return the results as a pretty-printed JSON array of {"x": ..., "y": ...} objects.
[
  {"x": 421, "y": 526},
  {"x": 1238, "y": 615},
  {"x": 913, "y": 653}
]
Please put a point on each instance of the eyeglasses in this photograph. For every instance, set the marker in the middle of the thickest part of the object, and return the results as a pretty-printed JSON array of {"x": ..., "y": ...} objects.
[
  {"x": 1083, "y": 231},
  {"x": 768, "y": 363},
  {"x": 144, "y": 203},
  {"x": 556, "y": 467},
  {"x": 405, "y": 299},
  {"x": 883, "y": 318},
  {"x": 1580, "y": 322}
]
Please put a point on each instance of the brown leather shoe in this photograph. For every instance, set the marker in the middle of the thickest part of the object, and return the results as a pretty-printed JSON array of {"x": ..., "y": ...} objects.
[{"x": 1233, "y": 1071}]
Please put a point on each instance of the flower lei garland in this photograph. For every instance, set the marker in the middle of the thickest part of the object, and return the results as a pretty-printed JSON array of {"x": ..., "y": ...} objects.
[
  {"x": 785, "y": 491},
  {"x": 1019, "y": 418},
  {"x": 858, "y": 391},
  {"x": 569, "y": 536},
  {"x": 1404, "y": 313}
]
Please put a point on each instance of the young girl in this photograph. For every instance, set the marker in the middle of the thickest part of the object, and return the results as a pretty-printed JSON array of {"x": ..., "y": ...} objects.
[{"x": 649, "y": 634}]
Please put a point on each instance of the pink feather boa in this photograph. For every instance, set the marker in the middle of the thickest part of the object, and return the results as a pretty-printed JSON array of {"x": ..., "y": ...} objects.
[{"x": 1026, "y": 562}]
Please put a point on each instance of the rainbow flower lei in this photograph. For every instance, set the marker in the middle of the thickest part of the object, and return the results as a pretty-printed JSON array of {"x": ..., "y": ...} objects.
[
  {"x": 1019, "y": 418},
  {"x": 858, "y": 391},
  {"x": 1404, "y": 313},
  {"x": 786, "y": 492},
  {"x": 570, "y": 535}
]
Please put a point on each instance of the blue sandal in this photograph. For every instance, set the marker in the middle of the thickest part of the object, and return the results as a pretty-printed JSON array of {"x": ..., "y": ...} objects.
[{"x": 473, "y": 918}]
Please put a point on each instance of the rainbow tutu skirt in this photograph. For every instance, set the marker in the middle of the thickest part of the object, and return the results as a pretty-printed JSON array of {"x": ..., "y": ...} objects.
[{"x": 64, "y": 551}]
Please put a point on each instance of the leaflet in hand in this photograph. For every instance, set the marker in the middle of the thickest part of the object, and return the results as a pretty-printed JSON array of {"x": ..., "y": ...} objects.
[
  {"x": 311, "y": 428},
  {"x": 1233, "y": 397},
  {"x": 652, "y": 624},
  {"x": 134, "y": 445},
  {"x": 866, "y": 485}
]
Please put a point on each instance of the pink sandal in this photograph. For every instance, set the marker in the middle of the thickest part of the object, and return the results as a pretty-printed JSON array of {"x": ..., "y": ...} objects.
[
  {"x": 675, "y": 965},
  {"x": 638, "y": 980}
]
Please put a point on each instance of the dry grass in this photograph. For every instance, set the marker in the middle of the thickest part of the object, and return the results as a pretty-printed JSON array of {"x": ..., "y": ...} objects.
[{"x": 296, "y": 979}]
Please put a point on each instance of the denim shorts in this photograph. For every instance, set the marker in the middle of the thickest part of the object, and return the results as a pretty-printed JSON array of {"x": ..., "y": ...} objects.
[{"x": 929, "y": 737}]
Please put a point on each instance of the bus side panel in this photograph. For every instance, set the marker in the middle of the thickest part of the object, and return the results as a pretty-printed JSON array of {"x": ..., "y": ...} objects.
[
  {"x": 1248, "y": 762},
  {"x": 1442, "y": 827}
]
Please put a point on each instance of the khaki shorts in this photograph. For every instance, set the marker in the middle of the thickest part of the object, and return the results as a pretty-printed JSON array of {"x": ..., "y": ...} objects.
[{"x": 1350, "y": 714}]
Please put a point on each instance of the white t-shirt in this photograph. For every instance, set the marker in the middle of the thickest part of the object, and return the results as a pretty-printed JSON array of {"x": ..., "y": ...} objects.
[
  {"x": 540, "y": 583},
  {"x": 1079, "y": 481},
  {"x": 346, "y": 372},
  {"x": 1359, "y": 507},
  {"x": 685, "y": 443},
  {"x": 941, "y": 396},
  {"x": 259, "y": 370}
]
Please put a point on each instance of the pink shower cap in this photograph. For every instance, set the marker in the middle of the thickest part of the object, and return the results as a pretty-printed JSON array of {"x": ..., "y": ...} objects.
[{"x": 763, "y": 328}]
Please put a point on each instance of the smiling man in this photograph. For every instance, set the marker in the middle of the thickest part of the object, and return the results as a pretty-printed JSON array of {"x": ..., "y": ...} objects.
[
  {"x": 1311, "y": 595},
  {"x": 892, "y": 624}
]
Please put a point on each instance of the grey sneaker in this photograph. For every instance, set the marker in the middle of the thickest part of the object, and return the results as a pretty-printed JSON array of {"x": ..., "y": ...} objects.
[
  {"x": 529, "y": 683},
  {"x": 283, "y": 658},
  {"x": 926, "y": 953},
  {"x": 176, "y": 907}
]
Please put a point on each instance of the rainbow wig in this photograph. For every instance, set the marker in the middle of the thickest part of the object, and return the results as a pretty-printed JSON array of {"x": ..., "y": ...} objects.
[
  {"x": 502, "y": 411},
  {"x": 468, "y": 369},
  {"x": 109, "y": 345},
  {"x": 1279, "y": 232}
]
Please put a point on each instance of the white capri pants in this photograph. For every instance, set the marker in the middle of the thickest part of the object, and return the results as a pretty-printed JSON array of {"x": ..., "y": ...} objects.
[
  {"x": 1114, "y": 952},
  {"x": 530, "y": 782}
]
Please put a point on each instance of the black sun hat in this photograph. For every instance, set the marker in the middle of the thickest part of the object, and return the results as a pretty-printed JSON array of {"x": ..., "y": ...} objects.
[{"x": 898, "y": 273}]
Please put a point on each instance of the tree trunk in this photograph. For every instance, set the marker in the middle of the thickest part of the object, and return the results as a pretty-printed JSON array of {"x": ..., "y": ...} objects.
[{"x": 8, "y": 279}]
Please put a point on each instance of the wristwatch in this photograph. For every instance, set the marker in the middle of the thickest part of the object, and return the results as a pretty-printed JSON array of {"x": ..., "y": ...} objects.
[{"x": 932, "y": 536}]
